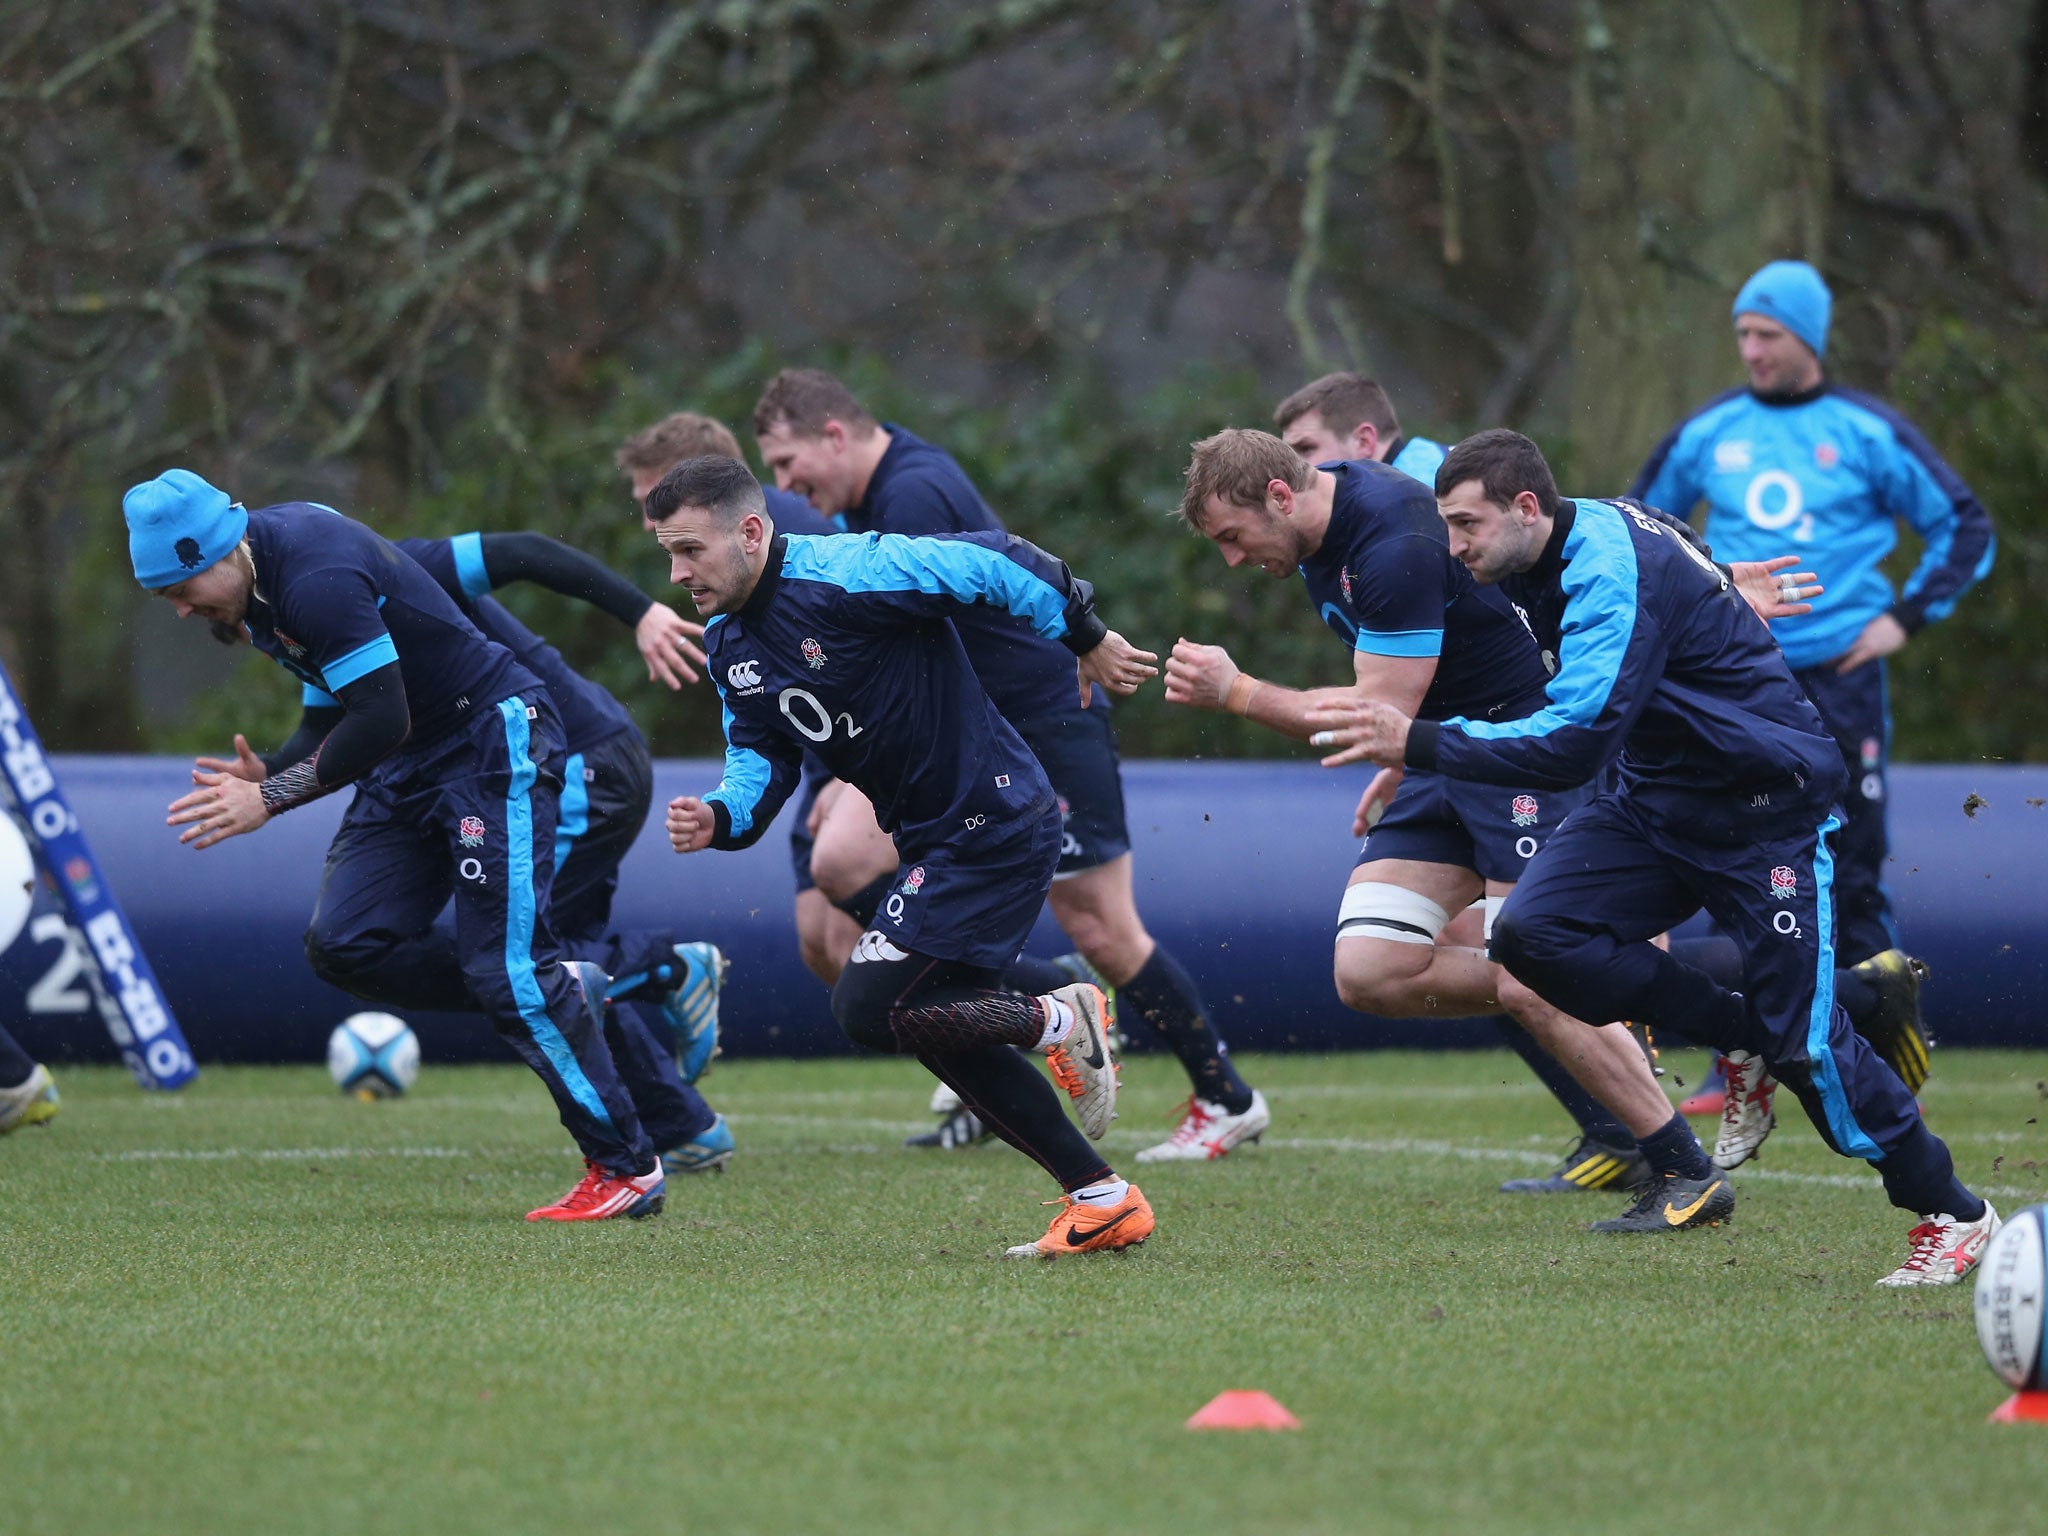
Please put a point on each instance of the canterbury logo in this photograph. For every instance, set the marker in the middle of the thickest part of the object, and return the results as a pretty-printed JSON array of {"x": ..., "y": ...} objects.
[
  {"x": 744, "y": 674},
  {"x": 873, "y": 947}
]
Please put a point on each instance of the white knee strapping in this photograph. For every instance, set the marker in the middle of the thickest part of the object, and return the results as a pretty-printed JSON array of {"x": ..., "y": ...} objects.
[
  {"x": 1493, "y": 906},
  {"x": 1373, "y": 909}
]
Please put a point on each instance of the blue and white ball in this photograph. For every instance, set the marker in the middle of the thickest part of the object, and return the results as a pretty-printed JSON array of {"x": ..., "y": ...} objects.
[
  {"x": 373, "y": 1056},
  {"x": 2011, "y": 1279}
]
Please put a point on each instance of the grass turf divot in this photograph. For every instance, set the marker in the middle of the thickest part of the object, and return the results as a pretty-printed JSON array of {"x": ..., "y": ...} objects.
[{"x": 259, "y": 1306}]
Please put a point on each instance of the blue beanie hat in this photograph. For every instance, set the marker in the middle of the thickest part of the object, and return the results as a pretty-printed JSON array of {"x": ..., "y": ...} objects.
[
  {"x": 1793, "y": 294},
  {"x": 178, "y": 526}
]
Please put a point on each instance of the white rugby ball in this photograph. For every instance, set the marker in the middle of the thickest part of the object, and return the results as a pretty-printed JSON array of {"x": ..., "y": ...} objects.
[
  {"x": 2011, "y": 1278},
  {"x": 373, "y": 1056}
]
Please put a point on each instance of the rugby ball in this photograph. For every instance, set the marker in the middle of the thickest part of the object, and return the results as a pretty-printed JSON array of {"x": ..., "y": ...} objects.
[
  {"x": 373, "y": 1056},
  {"x": 2010, "y": 1281}
]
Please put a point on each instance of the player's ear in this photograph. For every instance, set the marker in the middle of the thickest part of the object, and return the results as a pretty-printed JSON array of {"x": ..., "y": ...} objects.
[{"x": 1365, "y": 438}]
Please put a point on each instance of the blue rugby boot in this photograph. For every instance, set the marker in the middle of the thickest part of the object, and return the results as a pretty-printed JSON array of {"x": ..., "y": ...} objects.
[
  {"x": 708, "y": 1152},
  {"x": 691, "y": 1006}
]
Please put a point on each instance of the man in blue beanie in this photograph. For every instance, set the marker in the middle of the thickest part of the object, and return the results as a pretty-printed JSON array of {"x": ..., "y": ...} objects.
[
  {"x": 1796, "y": 464},
  {"x": 456, "y": 752}
]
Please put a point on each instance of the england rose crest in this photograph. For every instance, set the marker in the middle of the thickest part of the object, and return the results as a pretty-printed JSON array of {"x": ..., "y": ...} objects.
[
  {"x": 914, "y": 881},
  {"x": 1523, "y": 809},
  {"x": 814, "y": 653},
  {"x": 1344, "y": 581},
  {"x": 1784, "y": 883},
  {"x": 471, "y": 832}
]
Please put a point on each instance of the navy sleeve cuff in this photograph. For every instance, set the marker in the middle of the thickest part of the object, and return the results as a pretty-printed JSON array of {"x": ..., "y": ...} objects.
[
  {"x": 721, "y": 824},
  {"x": 1912, "y": 618},
  {"x": 1421, "y": 751},
  {"x": 1084, "y": 635}
]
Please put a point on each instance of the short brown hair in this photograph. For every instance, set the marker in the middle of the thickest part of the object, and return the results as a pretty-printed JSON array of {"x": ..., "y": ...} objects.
[
  {"x": 721, "y": 485},
  {"x": 1343, "y": 400},
  {"x": 1236, "y": 465},
  {"x": 1505, "y": 464},
  {"x": 685, "y": 435},
  {"x": 804, "y": 399}
]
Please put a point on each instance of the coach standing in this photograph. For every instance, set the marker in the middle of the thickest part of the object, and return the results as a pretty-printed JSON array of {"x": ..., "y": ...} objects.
[{"x": 1795, "y": 464}]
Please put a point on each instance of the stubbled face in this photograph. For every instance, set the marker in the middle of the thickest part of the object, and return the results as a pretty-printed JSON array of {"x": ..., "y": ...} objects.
[
  {"x": 1311, "y": 437},
  {"x": 1778, "y": 363},
  {"x": 1253, "y": 536},
  {"x": 711, "y": 561},
  {"x": 820, "y": 469},
  {"x": 219, "y": 595},
  {"x": 1489, "y": 540}
]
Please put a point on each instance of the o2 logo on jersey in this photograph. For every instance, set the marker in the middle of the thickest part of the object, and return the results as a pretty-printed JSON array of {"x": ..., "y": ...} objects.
[
  {"x": 1775, "y": 502},
  {"x": 744, "y": 676},
  {"x": 470, "y": 833},
  {"x": 1523, "y": 809},
  {"x": 814, "y": 654},
  {"x": 1784, "y": 883}
]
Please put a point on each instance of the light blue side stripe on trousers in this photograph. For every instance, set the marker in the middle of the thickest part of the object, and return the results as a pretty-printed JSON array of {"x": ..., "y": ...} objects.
[
  {"x": 1827, "y": 1075},
  {"x": 573, "y": 819},
  {"x": 519, "y": 916}
]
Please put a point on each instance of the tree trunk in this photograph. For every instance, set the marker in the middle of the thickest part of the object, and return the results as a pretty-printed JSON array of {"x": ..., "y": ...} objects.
[{"x": 1700, "y": 155}]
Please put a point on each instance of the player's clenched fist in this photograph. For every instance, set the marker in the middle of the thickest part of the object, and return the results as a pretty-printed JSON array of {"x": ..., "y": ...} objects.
[
  {"x": 1199, "y": 676},
  {"x": 1362, "y": 730},
  {"x": 1116, "y": 664},
  {"x": 690, "y": 824}
]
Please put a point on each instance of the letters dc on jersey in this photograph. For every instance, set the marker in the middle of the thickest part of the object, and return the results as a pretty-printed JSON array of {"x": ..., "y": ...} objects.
[
  {"x": 1825, "y": 477},
  {"x": 845, "y": 649}
]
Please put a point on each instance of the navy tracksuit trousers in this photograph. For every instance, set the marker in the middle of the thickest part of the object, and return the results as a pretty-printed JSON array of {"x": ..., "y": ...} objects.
[
  {"x": 1855, "y": 708},
  {"x": 472, "y": 816},
  {"x": 1628, "y": 867}
]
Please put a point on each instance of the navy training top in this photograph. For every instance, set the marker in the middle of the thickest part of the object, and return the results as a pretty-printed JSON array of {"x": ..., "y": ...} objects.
[
  {"x": 335, "y": 601},
  {"x": 1386, "y": 583}
]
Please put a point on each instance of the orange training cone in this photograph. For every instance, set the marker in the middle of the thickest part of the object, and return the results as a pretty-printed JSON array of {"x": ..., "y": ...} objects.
[
  {"x": 2021, "y": 1407},
  {"x": 1243, "y": 1410}
]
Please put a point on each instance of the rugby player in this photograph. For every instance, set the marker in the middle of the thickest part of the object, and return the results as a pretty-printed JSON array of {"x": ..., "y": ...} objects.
[
  {"x": 1797, "y": 460},
  {"x": 1371, "y": 549},
  {"x": 456, "y": 753},
  {"x": 1346, "y": 416},
  {"x": 843, "y": 645},
  {"x": 1727, "y": 798},
  {"x": 820, "y": 442}
]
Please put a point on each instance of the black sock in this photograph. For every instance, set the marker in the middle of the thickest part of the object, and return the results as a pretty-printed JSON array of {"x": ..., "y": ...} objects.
[
  {"x": 1035, "y": 977},
  {"x": 1019, "y": 1103},
  {"x": 1164, "y": 996},
  {"x": 864, "y": 903},
  {"x": 16, "y": 1065},
  {"x": 1594, "y": 1118},
  {"x": 1675, "y": 1150}
]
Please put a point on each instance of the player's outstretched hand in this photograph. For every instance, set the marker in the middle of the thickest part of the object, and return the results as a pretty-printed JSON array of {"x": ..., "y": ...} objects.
[
  {"x": 1116, "y": 664},
  {"x": 1773, "y": 591},
  {"x": 246, "y": 764},
  {"x": 223, "y": 806},
  {"x": 1379, "y": 794},
  {"x": 668, "y": 645},
  {"x": 690, "y": 824},
  {"x": 1363, "y": 731},
  {"x": 1199, "y": 676}
]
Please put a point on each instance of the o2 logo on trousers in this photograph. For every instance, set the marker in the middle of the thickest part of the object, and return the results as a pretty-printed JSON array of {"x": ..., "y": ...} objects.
[{"x": 472, "y": 869}]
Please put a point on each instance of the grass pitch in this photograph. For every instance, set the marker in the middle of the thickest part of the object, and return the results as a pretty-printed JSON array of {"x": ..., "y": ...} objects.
[{"x": 256, "y": 1306}]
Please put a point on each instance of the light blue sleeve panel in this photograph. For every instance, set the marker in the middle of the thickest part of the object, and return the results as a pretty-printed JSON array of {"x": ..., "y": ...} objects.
[
  {"x": 1404, "y": 642},
  {"x": 970, "y": 568},
  {"x": 312, "y": 698},
  {"x": 1419, "y": 459},
  {"x": 468, "y": 550},
  {"x": 1608, "y": 660},
  {"x": 360, "y": 662},
  {"x": 745, "y": 782}
]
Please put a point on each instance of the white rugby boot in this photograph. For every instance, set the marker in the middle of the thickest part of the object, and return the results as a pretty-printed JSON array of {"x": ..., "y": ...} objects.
[
  {"x": 1208, "y": 1131},
  {"x": 1746, "y": 1116},
  {"x": 1944, "y": 1249},
  {"x": 32, "y": 1101}
]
